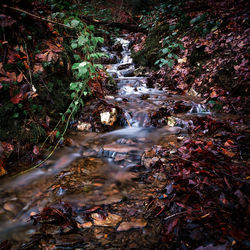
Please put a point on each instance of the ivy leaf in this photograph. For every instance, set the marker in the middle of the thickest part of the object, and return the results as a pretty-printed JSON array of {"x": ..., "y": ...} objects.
[
  {"x": 58, "y": 134},
  {"x": 165, "y": 51},
  {"x": 73, "y": 45},
  {"x": 74, "y": 23},
  {"x": 76, "y": 57},
  {"x": 75, "y": 65}
]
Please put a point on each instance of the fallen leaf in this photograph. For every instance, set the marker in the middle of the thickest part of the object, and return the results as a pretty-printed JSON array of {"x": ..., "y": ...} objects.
[
  {"x": 228, "y": 143},
  {"x": 87, "y": 224},
  {"x": 36, "y": 150},
  {"x": 20, "y": 77},
  {"x": 228, "y": 153},
  {"x": 17, "y": 98},
  {"x": 214, "y": 94},
  {"x": 11, "y": 76},
  {"x": 137, "y": 223},
  {"x": 2, "y": 169}
]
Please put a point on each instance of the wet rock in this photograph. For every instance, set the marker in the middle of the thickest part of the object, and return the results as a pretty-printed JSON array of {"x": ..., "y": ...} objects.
[
  {"x": 109, "y": 118},
  {"x": 113, "y": 74},
  {"x": 118, "y": 99},
  {"x": 111, "y": 59},
  {"x": 120, "y": 157},
  {"x": 124, "y": 66},
  {"x": 127, "y": 72},
  {"x": 13, "y": 207},
  {"x": 144, "y": 96},
  {"x": 109, "y": 97},
  {"x": 111, "y": 220},
  {"x": 171, "y": 121},
  {"x": 89, "y": 153},
  {"x": 140, "y": 71},
  {"x": 148, "y": 162},
  {"x": 117, "y": 47},
  {"x": 135, "y": 223},
  {"x": 180, "y": 138},
  {"x": 83, "y": 126},
  {"x": 120, "y": 148}
]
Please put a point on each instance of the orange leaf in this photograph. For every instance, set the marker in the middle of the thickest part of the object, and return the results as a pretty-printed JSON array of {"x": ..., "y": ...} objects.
[
  {"x": 228, "y": 143},
  {"x": 2, "y": 170},
  {"x": 26, "y": 64},
  {"x": 214, "y": 94},
  {"x": 228, "y": 153},
  {"x": 20, "y": 77}
]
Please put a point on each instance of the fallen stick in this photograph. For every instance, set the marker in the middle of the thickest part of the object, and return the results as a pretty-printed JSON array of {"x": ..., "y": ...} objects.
[{"x": 38, "y": 17}]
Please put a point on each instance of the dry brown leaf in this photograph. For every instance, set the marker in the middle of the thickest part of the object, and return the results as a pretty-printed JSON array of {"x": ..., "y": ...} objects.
[{"x": 109, "y": 221}]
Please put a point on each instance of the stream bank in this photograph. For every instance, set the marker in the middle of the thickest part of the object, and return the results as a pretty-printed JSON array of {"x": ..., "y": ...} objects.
[{"x": 163, "y": 179}]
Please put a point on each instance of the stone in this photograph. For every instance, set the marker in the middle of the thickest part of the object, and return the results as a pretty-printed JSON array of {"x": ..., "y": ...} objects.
[
  {"x": 119, "y": 148},
  {"x": 108, "y": 118},
  {"x": 120, "y": 157},
  {"x": 124, "y": 66},
  {"x": 83, "y": 126}
]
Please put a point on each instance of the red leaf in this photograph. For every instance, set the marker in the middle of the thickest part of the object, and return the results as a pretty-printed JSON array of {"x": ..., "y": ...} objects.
[
  {"x": 20, "y": 77},
  {"x": 16, "y": 99}
]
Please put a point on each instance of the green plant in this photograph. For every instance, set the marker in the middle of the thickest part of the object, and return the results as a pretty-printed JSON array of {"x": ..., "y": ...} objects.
[
  {"x": 86, "y": 44},
  {"x": 168, "y": 53}
]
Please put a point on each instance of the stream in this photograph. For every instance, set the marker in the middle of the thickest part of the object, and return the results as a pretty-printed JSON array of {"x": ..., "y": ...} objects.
[{"x": 103, "y": 170}]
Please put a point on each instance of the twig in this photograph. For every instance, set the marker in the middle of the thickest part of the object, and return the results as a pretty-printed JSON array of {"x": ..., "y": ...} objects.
[
  {"x": 29, "y": 70},
  {"x": 120, "y": 10},
  {"x": 173, "y": 215},
  {"x": 35, "y": 16}
]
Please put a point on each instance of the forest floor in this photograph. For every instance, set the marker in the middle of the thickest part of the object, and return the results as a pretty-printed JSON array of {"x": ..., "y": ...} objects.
[{"x": 189, "y": 189}]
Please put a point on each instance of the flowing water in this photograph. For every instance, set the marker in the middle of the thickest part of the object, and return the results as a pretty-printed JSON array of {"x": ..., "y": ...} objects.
[{"x": 99, "y": 167}]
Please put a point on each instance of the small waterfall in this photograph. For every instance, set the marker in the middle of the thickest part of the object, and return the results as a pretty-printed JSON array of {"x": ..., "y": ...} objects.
[{"x": 198, "y": 108}]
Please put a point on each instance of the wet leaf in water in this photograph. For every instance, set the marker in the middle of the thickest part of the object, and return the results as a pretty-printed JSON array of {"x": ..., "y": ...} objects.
[
  {"x": 136, "y": 223},
  {"x": 111, "y": 220}
]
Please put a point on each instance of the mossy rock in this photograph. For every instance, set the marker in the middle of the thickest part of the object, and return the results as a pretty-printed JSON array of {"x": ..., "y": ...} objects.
[{"x": 149, "y": 54}]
